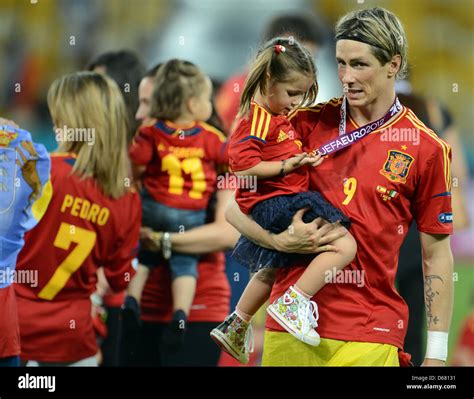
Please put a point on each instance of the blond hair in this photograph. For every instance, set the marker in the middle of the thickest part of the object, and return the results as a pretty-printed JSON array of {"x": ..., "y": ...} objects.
[
  {"x": 89, "y": 100},
  {"x": 176, "y": 81},
  {"x": 279, "y": 65},
  {"x": 380, "y": 29}
]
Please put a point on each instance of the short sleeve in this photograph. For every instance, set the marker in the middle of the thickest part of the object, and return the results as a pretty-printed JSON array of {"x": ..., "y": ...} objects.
[
  {"x": 141, "y": 149},
  {"x": 432, "y": 204},
  {"x": 245, "y": 153},
  {"x": 250, "y": 137}
]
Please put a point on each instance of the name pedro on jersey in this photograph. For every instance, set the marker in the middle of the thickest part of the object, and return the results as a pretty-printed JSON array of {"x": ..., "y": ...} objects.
[
  {"x": 37, "y": 382},
  {"x": 84, "y": 209}
]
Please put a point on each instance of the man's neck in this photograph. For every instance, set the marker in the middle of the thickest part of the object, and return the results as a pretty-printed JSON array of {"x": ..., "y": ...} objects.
[{"x": 373, "y": 111}]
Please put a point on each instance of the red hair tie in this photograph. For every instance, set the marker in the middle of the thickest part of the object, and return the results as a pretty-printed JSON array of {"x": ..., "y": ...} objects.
[{"x": 279, "y": 48}]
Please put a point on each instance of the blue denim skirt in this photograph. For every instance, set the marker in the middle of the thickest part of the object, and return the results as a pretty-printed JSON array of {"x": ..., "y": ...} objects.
[{"x": 275, "y": 214}]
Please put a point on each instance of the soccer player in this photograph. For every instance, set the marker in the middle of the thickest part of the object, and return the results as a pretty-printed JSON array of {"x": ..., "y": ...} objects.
[
  {"x": 24, "y": 187},
  {"x": 92, "y": 221},
  {"x": 265, "y": 146},
  {"x": 383, "y": 181},
  {"x": 178, "y": 154}
]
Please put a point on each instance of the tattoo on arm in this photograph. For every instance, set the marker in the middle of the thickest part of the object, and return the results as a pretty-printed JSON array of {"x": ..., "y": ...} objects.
[{"x": 430, "y": 295}]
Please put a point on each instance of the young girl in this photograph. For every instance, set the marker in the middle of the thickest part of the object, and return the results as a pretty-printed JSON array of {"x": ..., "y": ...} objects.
[
  {"x": 178, "y": 155},
  {"x": 265, "y": 145}
]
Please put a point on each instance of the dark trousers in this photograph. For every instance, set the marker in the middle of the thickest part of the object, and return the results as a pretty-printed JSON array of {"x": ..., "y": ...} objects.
[{"x": 146, "y": 349}]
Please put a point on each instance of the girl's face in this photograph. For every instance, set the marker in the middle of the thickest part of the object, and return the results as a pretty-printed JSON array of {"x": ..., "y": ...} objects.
[
  {"x": 201, "y": 105},
  {"x": 283, "y": 97},
  {"x": 363, "y": 78}
]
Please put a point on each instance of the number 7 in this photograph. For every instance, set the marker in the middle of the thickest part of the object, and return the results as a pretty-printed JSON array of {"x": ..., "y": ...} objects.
[{"x": 67, "y": 234}]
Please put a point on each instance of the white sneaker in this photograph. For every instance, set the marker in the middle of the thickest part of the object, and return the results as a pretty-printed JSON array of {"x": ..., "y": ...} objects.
[
  {"x": 235, "y": 337},
  {"x": 296, "y": 314}
]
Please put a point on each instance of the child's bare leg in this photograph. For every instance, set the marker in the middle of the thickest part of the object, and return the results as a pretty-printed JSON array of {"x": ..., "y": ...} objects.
[
  {"x": 314, "y": 277},
  {"x": 137, "y": 284},
  {"x": 256, "y": 293},
  {"x": 183, "y": 289}
]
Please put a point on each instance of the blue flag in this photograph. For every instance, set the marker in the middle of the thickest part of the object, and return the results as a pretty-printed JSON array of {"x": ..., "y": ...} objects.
[{"x": 25, "y": 192}]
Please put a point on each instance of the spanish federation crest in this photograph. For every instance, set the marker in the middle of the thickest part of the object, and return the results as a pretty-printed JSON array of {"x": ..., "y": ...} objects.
[{"x": 397, "y": 166}]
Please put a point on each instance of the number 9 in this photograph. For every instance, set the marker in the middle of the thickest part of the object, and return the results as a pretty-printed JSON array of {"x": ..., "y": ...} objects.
[{"x": 350, "y": 186}]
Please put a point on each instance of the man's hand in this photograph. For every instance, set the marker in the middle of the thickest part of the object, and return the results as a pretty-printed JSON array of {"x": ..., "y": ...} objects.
[
  {"x": 308, "y": 238},
  {"x": 433, "y": 363}
]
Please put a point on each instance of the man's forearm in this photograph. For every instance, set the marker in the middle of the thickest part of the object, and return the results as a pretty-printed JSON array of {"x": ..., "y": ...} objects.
[
  {"x": 246, "y": 226},
  {"x": 438, "y": 281}
]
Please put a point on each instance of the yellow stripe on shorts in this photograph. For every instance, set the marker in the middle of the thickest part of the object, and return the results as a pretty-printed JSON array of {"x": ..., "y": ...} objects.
[{"x": 282, "y": 349}]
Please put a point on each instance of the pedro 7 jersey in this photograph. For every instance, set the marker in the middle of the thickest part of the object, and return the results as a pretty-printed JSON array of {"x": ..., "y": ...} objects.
[
  {"x": 181, "y": 162},
  {"x": 81, "y": 230},
  {"x": 396, "y": 174}
]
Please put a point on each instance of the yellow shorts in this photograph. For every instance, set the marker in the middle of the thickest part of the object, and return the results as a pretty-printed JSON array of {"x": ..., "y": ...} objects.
[{"x": 282, "y": 349}]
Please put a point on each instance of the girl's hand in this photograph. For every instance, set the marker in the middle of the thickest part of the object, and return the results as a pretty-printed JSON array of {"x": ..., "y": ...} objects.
[
  {"x": 308, "y": 238},
  {"x": 313, "y": 159},
  {"x": 316, "y": 158}
]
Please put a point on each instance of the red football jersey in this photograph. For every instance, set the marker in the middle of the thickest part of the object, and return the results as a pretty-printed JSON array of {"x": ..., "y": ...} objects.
[
  {"x": 212, "y": 299},
  {"x": 259, "y": 137},
  {"x": 396, "y": 174},
  {"x": 81, "y": 231},
  {"x": 181, "y": 162},
  {"x": 9, "y": 327}
]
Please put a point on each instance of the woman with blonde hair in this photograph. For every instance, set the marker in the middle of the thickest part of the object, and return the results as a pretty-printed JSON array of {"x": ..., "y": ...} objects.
[{"x": 91, "y": 219}]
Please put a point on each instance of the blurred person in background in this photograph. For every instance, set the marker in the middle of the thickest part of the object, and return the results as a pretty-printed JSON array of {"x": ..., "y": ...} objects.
[
  {"x": 92, "y": 221},
  {"x": 176, "y": 155},
  {"x": 127, "y": 70},
  {"x": 211, "y": 300}
]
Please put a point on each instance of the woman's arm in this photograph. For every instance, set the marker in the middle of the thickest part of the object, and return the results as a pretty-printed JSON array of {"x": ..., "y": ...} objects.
[
  {"x": 300, "y": 237},
  {"x": 216, "y": 236}
]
